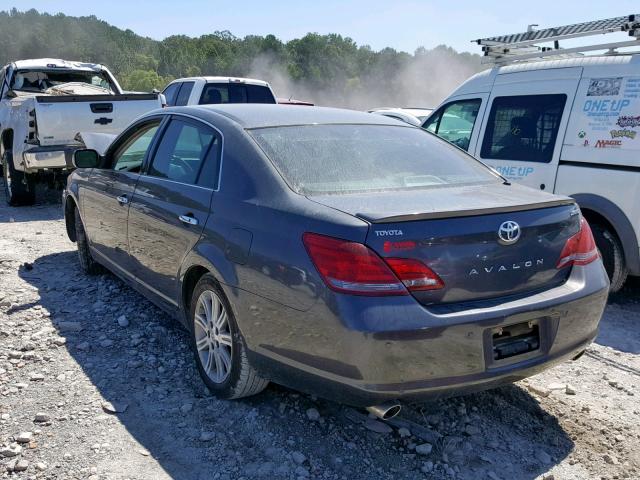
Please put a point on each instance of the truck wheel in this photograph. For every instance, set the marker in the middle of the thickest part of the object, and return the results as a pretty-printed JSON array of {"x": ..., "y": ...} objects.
[
  {"x": 19, "y": 187},
  {"x": 612, "y": 255},
  {"x": 87, "y": 263},
  {"x": 219, "y": 348}
]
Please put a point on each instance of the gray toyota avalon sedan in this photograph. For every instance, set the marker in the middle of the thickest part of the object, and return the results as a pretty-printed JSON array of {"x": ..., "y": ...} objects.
[{"x": 339, "y": 253}]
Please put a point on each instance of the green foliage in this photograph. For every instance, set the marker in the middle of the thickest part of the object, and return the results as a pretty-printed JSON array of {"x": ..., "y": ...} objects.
[
  {"x": 329, "y": 69},
  {"x": 143, "y": 81}
]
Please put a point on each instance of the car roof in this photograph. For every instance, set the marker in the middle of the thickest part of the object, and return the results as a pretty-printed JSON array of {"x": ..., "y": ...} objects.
[
  {"x": 249, "y": 81},
  {"x": 592, "y": 65},
  {"x": 46, "y": 63},
  {"x": 254, "y": 115}
]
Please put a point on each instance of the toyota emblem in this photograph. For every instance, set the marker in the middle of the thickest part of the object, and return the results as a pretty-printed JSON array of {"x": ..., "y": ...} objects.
[{"x": 509, "y": 232}]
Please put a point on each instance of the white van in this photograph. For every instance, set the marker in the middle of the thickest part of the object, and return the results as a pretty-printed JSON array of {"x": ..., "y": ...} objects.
[{"x": 569, "y": 126}]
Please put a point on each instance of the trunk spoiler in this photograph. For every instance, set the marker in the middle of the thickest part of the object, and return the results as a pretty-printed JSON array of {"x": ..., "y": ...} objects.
[{"x": 465, "y": 213}]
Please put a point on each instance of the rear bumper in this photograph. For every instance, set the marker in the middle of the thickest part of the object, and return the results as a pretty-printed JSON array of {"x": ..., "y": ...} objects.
[
  {"x": 364, "y": 351},
  {"x": 56, "y": 156}
]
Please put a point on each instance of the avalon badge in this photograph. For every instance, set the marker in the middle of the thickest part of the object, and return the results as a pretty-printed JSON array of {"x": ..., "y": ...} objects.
[{"x": 509, "y": 232}]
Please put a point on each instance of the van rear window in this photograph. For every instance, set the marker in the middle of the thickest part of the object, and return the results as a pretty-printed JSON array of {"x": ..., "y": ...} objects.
[{"x": 523, "y": 127}]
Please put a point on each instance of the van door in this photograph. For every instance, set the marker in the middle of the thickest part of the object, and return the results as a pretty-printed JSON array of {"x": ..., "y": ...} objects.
[
  {"x": 528, "y": 113},
  {"x": 458, "y": 121}
]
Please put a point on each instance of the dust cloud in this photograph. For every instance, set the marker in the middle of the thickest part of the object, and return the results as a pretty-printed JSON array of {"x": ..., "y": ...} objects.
[{"x": 422, "y": 80}]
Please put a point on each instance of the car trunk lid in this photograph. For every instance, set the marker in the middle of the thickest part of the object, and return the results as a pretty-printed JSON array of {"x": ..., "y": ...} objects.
[{"x": 471, "y": 244}]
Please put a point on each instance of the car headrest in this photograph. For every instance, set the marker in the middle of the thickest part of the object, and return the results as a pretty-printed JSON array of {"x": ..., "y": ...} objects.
[
  {"x": 523, "y": 127},
  {"x": 212, "y": 96}
]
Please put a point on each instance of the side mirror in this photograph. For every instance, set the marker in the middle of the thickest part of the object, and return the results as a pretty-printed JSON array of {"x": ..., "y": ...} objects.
[{"x": 86, "y": 158}]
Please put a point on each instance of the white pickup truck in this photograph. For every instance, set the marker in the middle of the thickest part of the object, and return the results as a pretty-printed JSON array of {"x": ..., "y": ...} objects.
[{"x": 44, "y": 105}]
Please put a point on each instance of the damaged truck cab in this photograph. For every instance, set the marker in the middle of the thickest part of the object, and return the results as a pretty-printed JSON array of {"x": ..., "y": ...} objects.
[{"x": 44, "y": 105}]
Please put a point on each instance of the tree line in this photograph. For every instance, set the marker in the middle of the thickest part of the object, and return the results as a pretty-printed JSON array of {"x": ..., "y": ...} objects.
[{"x": 326, "y": 69}]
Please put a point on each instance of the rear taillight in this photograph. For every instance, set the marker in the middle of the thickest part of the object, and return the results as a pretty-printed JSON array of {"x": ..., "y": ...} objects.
[
  {"x": 414, "y": 274},
  {"x": 580, "y": 249},
  {"x": 351, "y": 267}
]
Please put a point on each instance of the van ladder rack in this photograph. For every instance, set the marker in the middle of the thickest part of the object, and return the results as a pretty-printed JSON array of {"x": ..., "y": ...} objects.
[{"x": 524, "y": 46}]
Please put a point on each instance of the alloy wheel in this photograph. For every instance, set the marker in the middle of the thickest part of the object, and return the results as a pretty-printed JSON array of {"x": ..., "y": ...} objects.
[{"x": 213, "y": 336}]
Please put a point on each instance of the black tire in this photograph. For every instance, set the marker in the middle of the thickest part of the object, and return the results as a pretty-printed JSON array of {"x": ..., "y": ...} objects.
[
  {"x": 87, "y": 263},
  {"x": 19, "y": 187},
  {"x": 612, "y": 255},
  {"x": 242, "y": 379}
]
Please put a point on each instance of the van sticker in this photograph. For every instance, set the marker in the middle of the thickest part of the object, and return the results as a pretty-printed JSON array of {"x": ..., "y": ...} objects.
[
  {"x": 512, "y": 172},
  {"x": 605, "y": 107},
  {"x": 628, "y": 121},
  {"x": 608, "y": 115},
  {"x": 625, "y": 133},
  {"x": 600, "y": 87},
  {"x": 608, "y": 143}
]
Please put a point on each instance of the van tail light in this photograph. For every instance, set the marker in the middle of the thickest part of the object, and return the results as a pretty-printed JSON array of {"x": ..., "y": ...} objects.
[
  {"x": 351, "y": 267},
  {"x": 580, "y": 249}
]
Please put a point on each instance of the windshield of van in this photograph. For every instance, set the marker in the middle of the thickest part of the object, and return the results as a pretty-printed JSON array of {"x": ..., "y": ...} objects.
[
  {"x": 321, "y": 159},
  {"x": 61, "y": 82}
]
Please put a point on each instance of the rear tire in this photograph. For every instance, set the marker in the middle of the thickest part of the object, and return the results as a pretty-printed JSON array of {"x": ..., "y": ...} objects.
[
  {"x": 612, "y": 255},
  {"x": 87, "y": 263},
  {"x": 218, "y": 345},
  {"x": 19, "y": 187}
]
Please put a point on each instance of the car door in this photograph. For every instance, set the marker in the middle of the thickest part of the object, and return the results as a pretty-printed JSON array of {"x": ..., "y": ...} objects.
[
  {"x": 527, "y": 120},
  {"x": 106, "y": 196},
  {"x": 171, "y": 203}
]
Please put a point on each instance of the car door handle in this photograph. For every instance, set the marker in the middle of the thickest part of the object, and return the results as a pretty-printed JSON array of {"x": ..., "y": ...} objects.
[
  {"x": 188, "y": 219},
  {"x": 122, "y": 199}
]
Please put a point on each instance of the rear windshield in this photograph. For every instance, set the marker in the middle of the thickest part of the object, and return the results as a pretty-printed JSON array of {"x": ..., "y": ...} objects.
[
  {"x": 214, "y": 93},
  {"x": 326, "y": 159}
]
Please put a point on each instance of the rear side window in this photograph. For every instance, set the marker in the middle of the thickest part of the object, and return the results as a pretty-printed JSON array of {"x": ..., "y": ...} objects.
[
  {"x": 182, "y": 151},
  {"x": 215, "y": 93},
  {"x": 170, "y": 93},
  {"x": 184, "y": 94},
  {"x": 523, "y": 128},
  {"x": 454, "y": 122}
]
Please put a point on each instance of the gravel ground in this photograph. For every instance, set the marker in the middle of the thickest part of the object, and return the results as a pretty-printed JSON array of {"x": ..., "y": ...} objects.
[{"x": 96, "y": 383}]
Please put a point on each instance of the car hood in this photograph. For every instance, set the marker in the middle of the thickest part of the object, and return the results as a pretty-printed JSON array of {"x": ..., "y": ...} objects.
[{"x": 440, "y": 202}]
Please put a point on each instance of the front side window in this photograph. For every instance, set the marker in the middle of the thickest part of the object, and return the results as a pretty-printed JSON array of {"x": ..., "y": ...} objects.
[
  {"x": 130, "y": 155},
  {"x": 454, "y": 122},
  {"x": 182, "y": 152},
  {"x": 523, "y": 128},
  {"x": 170, "y": 93},
  {"x": 215, "y": 93},
  {"x": 184, "y": 94},
  {"x": 337, "y": 159}
]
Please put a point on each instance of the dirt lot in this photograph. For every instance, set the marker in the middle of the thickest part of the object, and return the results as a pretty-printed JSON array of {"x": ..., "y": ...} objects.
[{"x": 97, "y": 383}]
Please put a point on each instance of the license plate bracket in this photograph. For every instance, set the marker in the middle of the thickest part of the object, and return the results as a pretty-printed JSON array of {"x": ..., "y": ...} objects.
[{"x": 510, "y": 341}]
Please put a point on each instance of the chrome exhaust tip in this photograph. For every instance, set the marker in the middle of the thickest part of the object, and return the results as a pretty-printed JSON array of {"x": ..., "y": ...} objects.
[{"x": 385, "y": 411}]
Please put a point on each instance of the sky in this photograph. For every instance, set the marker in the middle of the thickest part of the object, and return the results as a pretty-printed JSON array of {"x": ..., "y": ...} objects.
[{"x": 400, "y": 24}]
